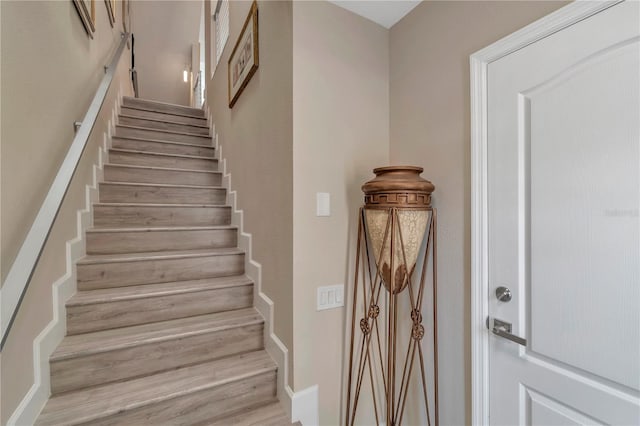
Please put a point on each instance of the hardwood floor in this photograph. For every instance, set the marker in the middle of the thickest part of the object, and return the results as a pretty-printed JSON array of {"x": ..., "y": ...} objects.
[
  {"x": 162, "y": 330},
  {"x": 146, "y": 174},
  {"x": 137, "y": 144},
  {"x": 161, "y": 159}
]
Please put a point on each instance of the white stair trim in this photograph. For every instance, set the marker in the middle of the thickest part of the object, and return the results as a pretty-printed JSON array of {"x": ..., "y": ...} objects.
[
  {"x": 63, "y": 288},
  {"x": 303, "y": 403}
]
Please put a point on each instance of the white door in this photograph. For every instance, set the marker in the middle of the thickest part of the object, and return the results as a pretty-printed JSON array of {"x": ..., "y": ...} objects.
[{"x": 563, "y": 185}]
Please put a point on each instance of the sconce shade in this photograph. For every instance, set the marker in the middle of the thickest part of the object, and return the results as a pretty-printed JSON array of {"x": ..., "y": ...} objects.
[{"x": 397, "y": 203}]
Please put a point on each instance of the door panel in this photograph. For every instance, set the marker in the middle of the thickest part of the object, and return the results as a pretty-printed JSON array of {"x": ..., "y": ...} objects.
[
  {"x": 583, "y": 208},
  {"x": 564, "y": 224},
  {"x": 546, "y": 411}
]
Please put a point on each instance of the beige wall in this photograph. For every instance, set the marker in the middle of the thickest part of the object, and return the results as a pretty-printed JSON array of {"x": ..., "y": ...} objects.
[
  {"x": 50, "y": 71},
  {"x": 256, "y": 139},
  {"x": 164, "y": 32},
  {"x": 429, "y": 93},
  {"x": 340, "y": 133}
]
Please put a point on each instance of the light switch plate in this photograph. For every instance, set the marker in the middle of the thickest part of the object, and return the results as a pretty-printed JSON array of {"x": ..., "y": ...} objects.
[
  {"x": 330, "y": 296},
  {"x": 323, "y": 204}
]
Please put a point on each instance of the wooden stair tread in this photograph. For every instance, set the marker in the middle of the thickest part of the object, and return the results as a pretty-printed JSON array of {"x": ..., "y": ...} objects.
[
  {"x": 163, "y": 185},
  {"x": 131, "y": 151},
  {"x": 136, "y": 215},
  {"x": 162, "y": 228},
  {"x": 163, "y": 168},
  {"x": 140, "y": 350},
  {"x": 134, "y": 138},
  {"x": 266, "y": 415},
  {"x": 87, "y": 405},
  {"x": 175, "y": 132},
  {"x": 159, "y": 115},
  {"x": 155, "y": 255},
  {"x": 164, "y": 146},
  {"x": 205, "y": 126},
  {"x": 135, "y": 103},
  {"x": 160, "y": 205},
  {"x": 106, "y": 340},
  {"x": 157, "y": 192},
  {"x": 114, "y": 294},
  {"x": 176, "y": 113}
]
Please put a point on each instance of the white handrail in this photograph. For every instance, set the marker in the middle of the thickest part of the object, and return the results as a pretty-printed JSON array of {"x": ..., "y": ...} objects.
[{"x": 19, "y": 276}]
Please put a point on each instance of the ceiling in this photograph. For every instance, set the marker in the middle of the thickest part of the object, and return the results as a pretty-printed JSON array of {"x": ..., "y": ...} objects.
[{"x": 383, "y": 12}]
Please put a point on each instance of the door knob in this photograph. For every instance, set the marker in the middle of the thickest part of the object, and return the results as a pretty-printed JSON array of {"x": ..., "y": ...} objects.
[{"x": 503, "y": 294}]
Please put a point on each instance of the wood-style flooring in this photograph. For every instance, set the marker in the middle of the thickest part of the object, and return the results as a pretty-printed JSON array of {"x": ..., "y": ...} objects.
[{"x": 162, "y": 330}]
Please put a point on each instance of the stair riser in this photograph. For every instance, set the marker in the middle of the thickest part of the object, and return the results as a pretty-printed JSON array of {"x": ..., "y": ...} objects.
[
  {"x": 110, "y": 193},
  {"x": 154, "y": 106},
  {"x": 125, "y": 132},
  {"x": 141, "y": 241},
  {"x": 131, "y": 216},
  {"x": 119, "y": 274},
  {"x": 141, "y": 113},
  {"x": 123, "y": 216},
  {"x": 124, "y": 313},
  {"x": 203, "y": 406},
  {"x": 164, "y": 148},
  {"x": 126, "y": 174},
  {"x": 136, "y": 159},
  {"x": 96, "y": 369},
  {"x": 268, "y": 415},
  {"x": 163, "y": 125}
]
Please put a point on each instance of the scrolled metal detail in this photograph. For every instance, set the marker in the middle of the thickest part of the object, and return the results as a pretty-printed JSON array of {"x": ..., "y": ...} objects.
[
  {"x": 364, "y": 326},
  {"x": 374, "y": 311},
  {"x": 417, "y": 332},
  {"x": 416, "y": 316}
]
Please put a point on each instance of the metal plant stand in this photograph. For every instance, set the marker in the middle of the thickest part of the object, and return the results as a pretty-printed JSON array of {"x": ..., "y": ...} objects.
[{"x": 387, "y": 328}]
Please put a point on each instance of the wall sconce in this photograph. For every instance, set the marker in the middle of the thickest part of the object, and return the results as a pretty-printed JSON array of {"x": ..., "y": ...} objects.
[{"x": 394, "y": 222}]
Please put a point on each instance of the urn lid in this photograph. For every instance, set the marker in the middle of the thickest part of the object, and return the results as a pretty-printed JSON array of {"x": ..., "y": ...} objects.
[{"x": 398, "y": 179}]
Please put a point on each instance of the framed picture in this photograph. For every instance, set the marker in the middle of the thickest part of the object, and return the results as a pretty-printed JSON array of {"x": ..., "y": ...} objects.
[
  {"x": 243, "y": 61},
  {"x": 111, "y": 11},
  {"x": 87, "y": 11},
  {"x": 125, "y": 16}
]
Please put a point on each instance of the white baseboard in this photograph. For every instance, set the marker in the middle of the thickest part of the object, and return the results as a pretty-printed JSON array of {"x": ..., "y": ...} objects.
[
  {"x": 304, "y": 404},
  {"x": 62, "y": 289}
]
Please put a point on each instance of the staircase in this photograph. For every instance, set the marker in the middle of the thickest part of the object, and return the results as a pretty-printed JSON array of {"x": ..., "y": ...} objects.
[{"x": 162, "y": 329}]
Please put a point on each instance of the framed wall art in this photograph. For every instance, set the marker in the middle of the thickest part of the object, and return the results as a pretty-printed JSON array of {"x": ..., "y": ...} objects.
[
  {"x": 243, "y": 61},
  {"x": 126, "y": 18},
  {"x": 87, "y": 11},
  {"x": 111, "y": 11}
]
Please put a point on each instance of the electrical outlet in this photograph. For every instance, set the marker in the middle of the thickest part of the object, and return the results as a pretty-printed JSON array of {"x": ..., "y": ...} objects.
[{"x": 330, "y": 296}]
